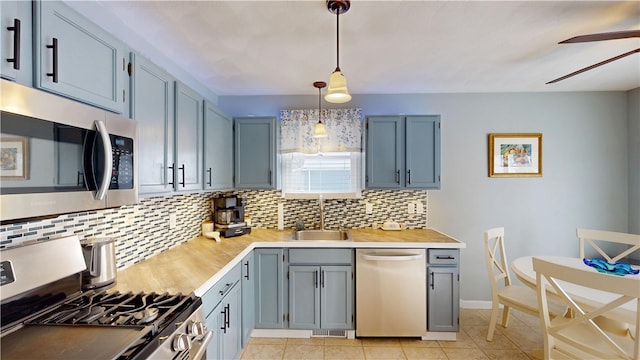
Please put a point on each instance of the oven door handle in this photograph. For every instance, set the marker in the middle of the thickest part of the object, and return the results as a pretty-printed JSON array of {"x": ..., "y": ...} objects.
[
  {"x": 203, "y": 345},
  {"x": 108, "y": 160}
]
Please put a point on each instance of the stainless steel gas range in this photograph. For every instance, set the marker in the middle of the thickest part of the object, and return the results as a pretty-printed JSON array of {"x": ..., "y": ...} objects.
[{"x": 46, "y": 315}]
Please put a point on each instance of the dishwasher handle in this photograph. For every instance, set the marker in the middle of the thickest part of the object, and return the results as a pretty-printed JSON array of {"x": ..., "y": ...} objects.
[{"x": 399, "y": 257}]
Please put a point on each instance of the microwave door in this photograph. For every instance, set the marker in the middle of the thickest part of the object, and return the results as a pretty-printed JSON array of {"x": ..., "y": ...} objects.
[{"x": 46, "y": 174}]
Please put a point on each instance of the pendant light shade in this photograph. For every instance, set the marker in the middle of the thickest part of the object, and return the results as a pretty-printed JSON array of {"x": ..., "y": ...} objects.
[
  {"x": 337, "y": 91},
  {"x": 319, "y": 131}
]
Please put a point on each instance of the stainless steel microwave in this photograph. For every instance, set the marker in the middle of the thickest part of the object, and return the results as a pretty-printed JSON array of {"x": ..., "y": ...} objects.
[{"x": 59, "y": 156}]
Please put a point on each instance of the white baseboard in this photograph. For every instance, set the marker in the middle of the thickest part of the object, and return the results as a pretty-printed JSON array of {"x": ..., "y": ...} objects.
[
  {"x": 475, "y": 304},
  {"x": 442, "y": 336},
  {"x": 281, "y": 333}
]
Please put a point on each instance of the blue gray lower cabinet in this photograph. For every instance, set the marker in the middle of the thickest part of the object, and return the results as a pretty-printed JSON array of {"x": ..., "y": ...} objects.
[
  {"x": 443, "y": 294},
  {"x": 321, "y": 289},
  {"x": 321, "y": 297},
  {"x": 270, "y": 288},
  {"x": 223, "y": 306},
  {"x": 248, "y": 297}
]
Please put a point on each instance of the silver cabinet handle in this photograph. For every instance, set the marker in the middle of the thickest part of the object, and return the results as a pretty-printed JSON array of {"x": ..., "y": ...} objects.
[
  {"x": 392, "y": 257},
  {"x": 108, "y": 160}
]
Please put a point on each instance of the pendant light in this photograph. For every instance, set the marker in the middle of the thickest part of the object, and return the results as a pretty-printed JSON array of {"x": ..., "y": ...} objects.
[
  {"x": 319, "y": 131},
  {"x": 337, "y": 91}
]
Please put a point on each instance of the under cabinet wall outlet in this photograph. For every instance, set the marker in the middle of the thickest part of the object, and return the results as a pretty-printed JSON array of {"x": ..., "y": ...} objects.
[
  {"x": 411, "y": 207},
  {"x": 369, "y": 208},
  {"x": 172, "y": 221}
]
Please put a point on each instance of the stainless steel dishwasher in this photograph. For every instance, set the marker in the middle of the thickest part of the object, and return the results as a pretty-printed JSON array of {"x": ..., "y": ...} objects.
[{"x": 391, "y": 292}]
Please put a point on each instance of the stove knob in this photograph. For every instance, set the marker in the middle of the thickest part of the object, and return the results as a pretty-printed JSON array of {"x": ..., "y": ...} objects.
[
  {"x": 196, "y": 328},
  {"x": 181, "y": 342}
]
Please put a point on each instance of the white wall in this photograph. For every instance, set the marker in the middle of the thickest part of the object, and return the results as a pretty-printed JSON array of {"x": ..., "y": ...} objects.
[{"x": 585, "y": 167}]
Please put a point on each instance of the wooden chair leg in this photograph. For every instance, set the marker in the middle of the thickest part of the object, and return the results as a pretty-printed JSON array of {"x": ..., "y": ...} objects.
[
  {"x": 493, "y": 321},
  {"x": 505, "y": 316}
]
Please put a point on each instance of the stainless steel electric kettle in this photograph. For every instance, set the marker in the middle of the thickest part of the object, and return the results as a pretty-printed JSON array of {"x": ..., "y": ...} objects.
[{"x": 100, "y": 258}]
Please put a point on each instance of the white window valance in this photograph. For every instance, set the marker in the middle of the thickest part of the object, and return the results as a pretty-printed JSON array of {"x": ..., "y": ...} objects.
[{"x": 344, "y": 130}]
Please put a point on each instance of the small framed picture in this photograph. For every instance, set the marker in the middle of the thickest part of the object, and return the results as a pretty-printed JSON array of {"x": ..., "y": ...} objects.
[
  {"x": 14, "y": 159},
  {"x": 515, "y": 155}
]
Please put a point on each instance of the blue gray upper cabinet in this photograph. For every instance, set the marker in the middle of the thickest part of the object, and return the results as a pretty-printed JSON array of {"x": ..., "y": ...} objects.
[
  {"x": 16, "y": 41},
  {"x": 188, "y": 110},
  {"x": 77, "y": 59},
  {"x": 255, "y": 151},
  {"x": 385, "y": 136},
  {"x": 218, "y": 140},
  {"x": 403, "y": 152},
  {"x": 422, "y": 152},
  {"x": 152, "y": 102}
]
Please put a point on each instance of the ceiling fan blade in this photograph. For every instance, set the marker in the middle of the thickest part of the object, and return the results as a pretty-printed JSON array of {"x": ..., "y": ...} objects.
[
  {"x": 603, "y": 36},
  {"x": 594, "y": 66}
]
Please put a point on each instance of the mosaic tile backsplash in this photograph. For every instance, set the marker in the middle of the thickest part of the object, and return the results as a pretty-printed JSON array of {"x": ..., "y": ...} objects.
[{"x": 142, "y": 230}]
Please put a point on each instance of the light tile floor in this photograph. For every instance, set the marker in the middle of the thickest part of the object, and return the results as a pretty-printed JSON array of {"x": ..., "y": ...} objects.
[{"x": 522, "y": 340}]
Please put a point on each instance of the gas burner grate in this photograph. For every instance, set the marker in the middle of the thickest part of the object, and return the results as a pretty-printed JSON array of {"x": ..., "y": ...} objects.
[{"x": 113, "y": 309}]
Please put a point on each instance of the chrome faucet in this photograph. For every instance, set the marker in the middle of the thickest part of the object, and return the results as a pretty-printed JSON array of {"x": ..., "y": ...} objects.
[{"x": 321, "y": 212}]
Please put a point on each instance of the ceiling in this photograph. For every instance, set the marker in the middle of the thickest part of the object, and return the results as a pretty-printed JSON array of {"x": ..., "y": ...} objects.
[{"x": 386, "y": 47}]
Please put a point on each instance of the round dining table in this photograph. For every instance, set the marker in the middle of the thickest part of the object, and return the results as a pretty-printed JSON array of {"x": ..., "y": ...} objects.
[{"x": 522, "y": 267}]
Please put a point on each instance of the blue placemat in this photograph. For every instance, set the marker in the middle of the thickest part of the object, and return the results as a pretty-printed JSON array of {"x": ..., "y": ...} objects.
[{"x": 618, "y": 268}]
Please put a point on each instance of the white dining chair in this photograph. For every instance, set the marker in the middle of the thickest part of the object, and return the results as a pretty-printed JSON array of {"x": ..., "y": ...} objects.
[
  {"x": 603, "y": 242},
  {"x": 503, "y": 292},
  {"x": 582, "y": 336}
]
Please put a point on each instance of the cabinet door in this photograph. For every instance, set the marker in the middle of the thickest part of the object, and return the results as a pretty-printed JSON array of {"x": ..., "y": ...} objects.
[
  {"x": 232, "y": 322},
  {"x": 384, "y": 152},
  {"x": 304, "y": 297},
  {"x": 270, "y": 290},
  {"x": 336, "y": 297},
  {"x": 188, "y": 137},
  {"x": 215, "y": 322},
  {"x": 255, "y": 153},
  {"x": 15, "y": 41},
  {"x": 443, "y": 300},
  {"x": 77, "y": 59},
  {"x": 422, "y": 152},
  {"x": 218, "y": 142},
  {"x": 248, "y": 297},
  {"x": 152, "y": 108}
]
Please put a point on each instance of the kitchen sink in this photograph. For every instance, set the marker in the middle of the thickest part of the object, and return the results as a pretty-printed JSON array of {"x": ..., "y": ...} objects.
[{"x": 321, "y": 235}]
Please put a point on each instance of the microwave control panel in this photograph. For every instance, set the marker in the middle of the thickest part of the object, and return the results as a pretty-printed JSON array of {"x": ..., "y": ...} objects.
[{"x": 122, "y": 153}]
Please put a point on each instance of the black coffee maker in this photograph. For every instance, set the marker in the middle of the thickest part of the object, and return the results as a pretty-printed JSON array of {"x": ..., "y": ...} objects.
[{"x": 228, "y": 216}]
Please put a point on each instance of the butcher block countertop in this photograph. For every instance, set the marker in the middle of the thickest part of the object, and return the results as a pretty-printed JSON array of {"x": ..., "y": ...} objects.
[{"x": 196, "y": 265}]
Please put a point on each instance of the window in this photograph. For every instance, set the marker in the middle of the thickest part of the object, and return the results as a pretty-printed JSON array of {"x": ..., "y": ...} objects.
[
  {"x": 330, "y": 166},
  {"x": 336, "y": 174}
]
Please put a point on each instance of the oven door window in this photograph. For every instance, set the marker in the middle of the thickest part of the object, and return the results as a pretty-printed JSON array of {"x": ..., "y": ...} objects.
[{"x": 39, "y": 156}]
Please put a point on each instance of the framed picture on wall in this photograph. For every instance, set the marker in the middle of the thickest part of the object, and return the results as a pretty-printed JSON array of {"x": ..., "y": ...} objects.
[
  {"x": 515, "y": 155},
  {"x": 14, "y": 158}
]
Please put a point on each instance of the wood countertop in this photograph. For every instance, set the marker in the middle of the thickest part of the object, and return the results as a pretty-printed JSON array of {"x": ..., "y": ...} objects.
[{"x": 196, "y": 265}]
